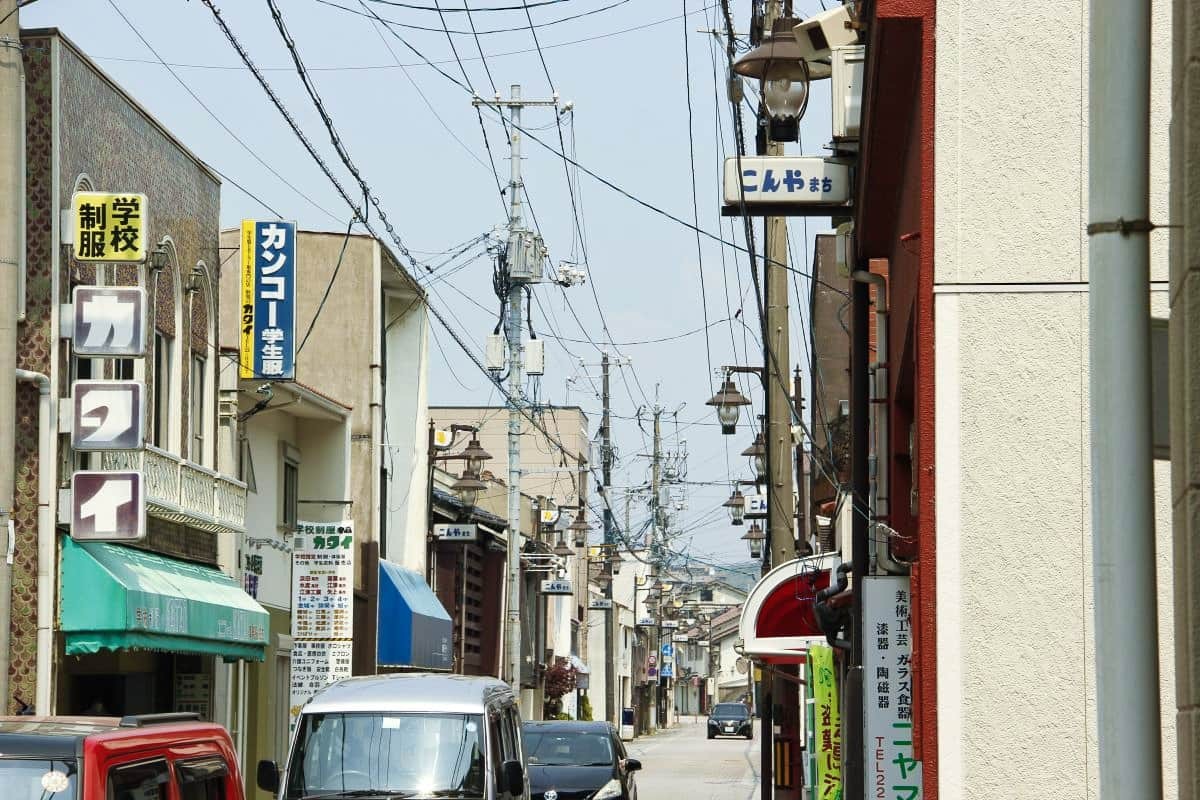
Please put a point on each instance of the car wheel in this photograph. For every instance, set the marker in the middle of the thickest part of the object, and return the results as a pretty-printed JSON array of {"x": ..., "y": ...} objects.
[
  {"x": 711, "y": 735},
  {"x": 750, "y": 735}
]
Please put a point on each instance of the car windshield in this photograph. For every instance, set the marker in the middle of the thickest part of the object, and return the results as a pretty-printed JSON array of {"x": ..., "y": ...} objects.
[
  {"x": 550, "y": 748},
  {"x": 37, "y": 779},
  {"x": 404, "y": 754},
  {"x": 730, "y": 711}
]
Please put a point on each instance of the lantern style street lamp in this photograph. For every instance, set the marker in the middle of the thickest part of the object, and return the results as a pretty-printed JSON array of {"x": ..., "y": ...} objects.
[
  {"x": 758, "y": 452},
  {"x": 468, "y": 487},
  {"x": 728, "y": 402},
  {"x": 737, "y": 507},
  {"x": 783, "y": 74},
  {"x": 754, "y": 538}
]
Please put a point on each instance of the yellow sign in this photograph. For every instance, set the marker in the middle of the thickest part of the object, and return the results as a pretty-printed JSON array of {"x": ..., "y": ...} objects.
[
  {"x": 828, "y": 724},
  {"x": 246, "y": 312},
  {"x": 110, "y": 227}
]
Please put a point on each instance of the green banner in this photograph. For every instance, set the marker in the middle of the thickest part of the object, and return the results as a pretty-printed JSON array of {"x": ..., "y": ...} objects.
[{"x": 828, "y": 731}]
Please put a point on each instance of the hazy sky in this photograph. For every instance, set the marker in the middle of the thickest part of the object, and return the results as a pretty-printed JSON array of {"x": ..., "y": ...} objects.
[{"x": 624, "y": 70}]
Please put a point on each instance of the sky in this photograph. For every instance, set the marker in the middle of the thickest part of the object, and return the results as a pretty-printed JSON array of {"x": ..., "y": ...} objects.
[{"x": 416, "y": 138}]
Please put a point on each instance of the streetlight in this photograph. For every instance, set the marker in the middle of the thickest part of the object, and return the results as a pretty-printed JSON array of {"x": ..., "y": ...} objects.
[
  {"x": 728, "y": 402},
  {"x": 737, "y": 506},
  {"x": 475, "y": 455},
  {"x": 783, "y": 73},
  {"x": 758, "y": 452},
  {"x": 579, "y": 530},
  {"x": 468, "y": 487},
  {"x": 754, "y": 538}
]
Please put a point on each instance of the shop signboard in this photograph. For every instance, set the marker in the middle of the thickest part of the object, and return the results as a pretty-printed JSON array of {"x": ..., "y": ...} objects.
[
  {"x": 109, "y": 226},
  {"x": 557, "y": 586},
  {"x": 450, "y": 532},
  {"x": 108, "y": 321},
  {"x": 322, "y": 607},
  {"x": 107, "y": 506},
  {"x": 193, "y": 693},
  {"x": 600, "y": 604},
  {"x": 267, "y": 318},
  {"x": 828, "y": 724},
  {"x": 892, "y": 771},
  {"x": 107, "y": 415}
]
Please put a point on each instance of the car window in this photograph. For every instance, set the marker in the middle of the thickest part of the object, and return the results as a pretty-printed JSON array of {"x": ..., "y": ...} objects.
[
  {"x": 202, "y": 778},
  {"x": 145, "y": 781},
  {"x": 730, "y": 711},
  {"x": 568, "y": 748}
]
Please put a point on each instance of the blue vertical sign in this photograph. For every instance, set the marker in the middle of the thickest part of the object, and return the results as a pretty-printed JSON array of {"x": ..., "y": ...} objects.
[{"x": 268, "y": 307}]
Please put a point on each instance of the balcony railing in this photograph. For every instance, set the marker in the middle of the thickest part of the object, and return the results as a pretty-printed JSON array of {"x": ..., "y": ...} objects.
[{"x": 183, "y": 492}]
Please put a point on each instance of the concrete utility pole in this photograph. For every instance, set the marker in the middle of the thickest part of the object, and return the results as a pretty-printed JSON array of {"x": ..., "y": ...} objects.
[
  {"x": 521, "y": 273},
  {"x": 655, "y": 556},
  {"x": 610, "y": 626},
  {"x": 12, "y": 188},
  {"x": 1123, "y": 565}
]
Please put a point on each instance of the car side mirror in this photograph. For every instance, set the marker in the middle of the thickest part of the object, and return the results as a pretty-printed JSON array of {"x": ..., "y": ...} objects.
[
  {"x": 632, "y": 765},
  {"x": 514, "y": 777},
  {"x": 268, "y": 776}
]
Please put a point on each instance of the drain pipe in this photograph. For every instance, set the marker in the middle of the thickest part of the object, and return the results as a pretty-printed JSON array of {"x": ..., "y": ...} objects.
[
  {"x": 1123, "y": 561},
  {"x": 46, "y": 545},
  {"x": 881, "y": 551}
]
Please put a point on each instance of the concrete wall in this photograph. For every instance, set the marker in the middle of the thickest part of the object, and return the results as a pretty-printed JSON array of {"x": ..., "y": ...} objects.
[
  {"x": 1015, "y": 650},
  {"x": 1185, "y": 385},
  {"x": 405, "y": 435}
]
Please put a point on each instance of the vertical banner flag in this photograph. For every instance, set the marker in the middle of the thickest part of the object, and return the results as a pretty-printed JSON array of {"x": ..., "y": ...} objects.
[
  {"x": 268, "y": 308},
  {"x": 892, "y": 771},
  {"x": 829, "y": 724},
  {"x": 322, "y": 608}
]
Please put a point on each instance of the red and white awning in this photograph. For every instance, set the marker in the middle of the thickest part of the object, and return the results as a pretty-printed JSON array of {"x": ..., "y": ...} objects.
[{"x": 778, "y": 620}]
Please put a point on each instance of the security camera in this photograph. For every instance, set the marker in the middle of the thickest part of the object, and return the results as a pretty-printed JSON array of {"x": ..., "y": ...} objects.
[
  {"x": 569, "y": 106},
  {"x": 819, "y": 34}
]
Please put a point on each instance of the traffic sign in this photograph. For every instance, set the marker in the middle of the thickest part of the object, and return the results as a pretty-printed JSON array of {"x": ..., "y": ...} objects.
[
  {"x": 456, "y": 533},
  {"x": 108, "y": 415},
  {"x": 107, "y": 506},
  {"x": 109, "y": 321}
]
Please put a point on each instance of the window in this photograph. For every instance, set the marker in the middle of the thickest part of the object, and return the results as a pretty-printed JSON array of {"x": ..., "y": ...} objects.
[
  {"x": 145, "y": 781},
  {"x": 162, "y": 390},
  {"x": 197, "y": 419},
  {"x": 123, "y": 369},
  {"x": 706, "y": 595},
  {"x": 291, "y": 491},
  {"x": 202, "y": 778}
]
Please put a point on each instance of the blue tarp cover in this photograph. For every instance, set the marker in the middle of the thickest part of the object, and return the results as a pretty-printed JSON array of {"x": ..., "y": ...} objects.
[{"x": 414, "y": 629}]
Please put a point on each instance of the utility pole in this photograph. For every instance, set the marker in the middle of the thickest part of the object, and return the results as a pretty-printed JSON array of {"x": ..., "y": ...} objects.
[
  {"x": 655, "y": 556},
  {"x": 12, "y": 188},
  {"x": 523, "y": 262},
  {"x": 610, "y": 627}
]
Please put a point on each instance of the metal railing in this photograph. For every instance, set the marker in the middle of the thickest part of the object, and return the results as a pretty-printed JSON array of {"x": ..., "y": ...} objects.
[{"x": 184, "y": 492}]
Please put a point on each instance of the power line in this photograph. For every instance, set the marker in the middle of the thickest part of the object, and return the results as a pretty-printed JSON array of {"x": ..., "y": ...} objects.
[
  {"x": 427, "y": 29},
  {"x": 466, "y": 8}
]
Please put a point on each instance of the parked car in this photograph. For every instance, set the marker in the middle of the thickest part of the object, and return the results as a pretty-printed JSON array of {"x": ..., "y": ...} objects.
[
  {"x": 730, "y": 719},
  {"x": 145, "y": 757},
  {"x": 578, "y": 761},
  {"x": 411, "y": 735}
]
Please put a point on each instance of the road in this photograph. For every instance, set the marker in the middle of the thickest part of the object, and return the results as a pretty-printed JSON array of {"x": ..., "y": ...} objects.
[{"x": 681, "y": 764}]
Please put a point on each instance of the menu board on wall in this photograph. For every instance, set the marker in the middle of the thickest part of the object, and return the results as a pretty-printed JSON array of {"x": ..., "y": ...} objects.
[
  {"x": 193, "y": 693},
  {"x": 322, "y": 608}
]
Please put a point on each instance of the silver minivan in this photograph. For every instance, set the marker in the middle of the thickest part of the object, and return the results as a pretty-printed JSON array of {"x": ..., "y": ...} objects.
[{"x": 395, "y": 737}]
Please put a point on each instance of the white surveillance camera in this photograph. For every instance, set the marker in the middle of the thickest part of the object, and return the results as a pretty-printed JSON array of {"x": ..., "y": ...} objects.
[
  {"x": 820, "y": 33},
  {"x": 569, "y": 106}
]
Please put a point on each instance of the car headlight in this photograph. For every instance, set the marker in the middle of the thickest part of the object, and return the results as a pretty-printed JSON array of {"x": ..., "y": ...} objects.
[{"x": 609, "y": 791}]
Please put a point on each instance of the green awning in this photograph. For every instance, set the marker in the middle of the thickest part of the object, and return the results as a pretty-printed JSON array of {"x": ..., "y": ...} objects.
[{"x": 120, "y": 598}]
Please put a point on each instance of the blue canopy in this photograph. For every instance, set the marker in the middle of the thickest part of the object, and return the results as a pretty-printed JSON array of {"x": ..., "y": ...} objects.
[{"x": 414, "y": 629}]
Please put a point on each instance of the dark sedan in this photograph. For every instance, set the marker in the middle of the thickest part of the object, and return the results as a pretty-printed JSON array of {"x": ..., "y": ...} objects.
[
  {"x": 730, "y": 719},
  {"x": 578, "y": 761}
]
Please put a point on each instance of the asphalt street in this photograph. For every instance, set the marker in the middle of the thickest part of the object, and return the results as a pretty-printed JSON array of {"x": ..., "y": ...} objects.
[{"x": 682, "y": 764}]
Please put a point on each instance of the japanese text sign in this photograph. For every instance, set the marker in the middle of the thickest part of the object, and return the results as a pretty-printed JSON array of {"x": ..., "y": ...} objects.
[
  {"x": 267, "y": 317},
  {"x": 600, "y": 604},
  {"x": 109, "y": 227},
  {"x": 791, "y": 180},
  {"x": 558, "y": 586},
  {"x": 109, "y": 321},
  {"x": 107, "y": 415},
  {"x": 828, "y": 724},
  {"x": 107, "y": 506},
  {"x": 449, "y": 532},
  {"x": 322, "y": 607},
  {"x": 892, "y": 771}
]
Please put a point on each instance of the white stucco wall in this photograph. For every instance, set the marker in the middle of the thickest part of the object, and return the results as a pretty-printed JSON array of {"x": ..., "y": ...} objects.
[{"x": 1016, "y": 673}]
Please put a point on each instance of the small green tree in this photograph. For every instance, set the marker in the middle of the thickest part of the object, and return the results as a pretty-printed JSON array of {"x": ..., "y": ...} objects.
[{"x": 585, "y": 708}]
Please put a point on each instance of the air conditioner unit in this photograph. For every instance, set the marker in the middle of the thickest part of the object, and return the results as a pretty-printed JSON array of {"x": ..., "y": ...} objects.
[{"x": 847, "y": 92}]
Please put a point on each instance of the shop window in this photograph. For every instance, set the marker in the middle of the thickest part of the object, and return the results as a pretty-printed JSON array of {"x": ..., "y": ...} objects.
[
  {"x": 202, "y": 779},
  {"x": 145, "y": 781}
]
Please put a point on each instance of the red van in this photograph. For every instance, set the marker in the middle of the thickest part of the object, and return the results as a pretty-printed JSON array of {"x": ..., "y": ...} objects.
[{"x": 143, "y": 757}]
